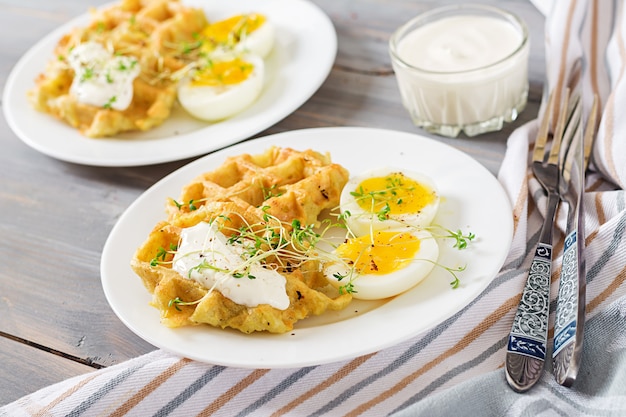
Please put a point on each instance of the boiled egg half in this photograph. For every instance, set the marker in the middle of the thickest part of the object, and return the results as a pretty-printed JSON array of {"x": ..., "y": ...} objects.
[
  {"x": 383, "y": 264},
  {"x": 388, "y": 198},
  {"x": 249, "y": 33},
  {"x": 222, "y": 87}
]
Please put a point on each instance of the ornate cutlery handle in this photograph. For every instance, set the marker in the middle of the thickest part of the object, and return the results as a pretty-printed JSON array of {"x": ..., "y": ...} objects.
[
  {"x": 526, "y": 348},
  {"x": 570, "y": 312},
  {"x": 529, "y": 333}
]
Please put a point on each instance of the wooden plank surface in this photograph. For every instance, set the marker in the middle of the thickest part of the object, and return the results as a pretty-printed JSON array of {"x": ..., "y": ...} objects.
[
  {"x": 37, "y": 369},
  {"x": 56, "y": 216}
]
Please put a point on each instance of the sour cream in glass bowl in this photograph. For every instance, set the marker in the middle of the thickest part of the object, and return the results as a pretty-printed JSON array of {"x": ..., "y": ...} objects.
[{"x": 462, "y": 68}]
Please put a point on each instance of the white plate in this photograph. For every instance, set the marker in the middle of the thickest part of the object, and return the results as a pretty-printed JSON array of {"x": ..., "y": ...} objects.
[
  {"x": 472, "y": 200},
  {"x": 305, "y": 49}
]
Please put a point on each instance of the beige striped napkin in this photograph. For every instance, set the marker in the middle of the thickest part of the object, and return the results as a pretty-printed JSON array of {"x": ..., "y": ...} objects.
[{"x": 455, "y": 368}]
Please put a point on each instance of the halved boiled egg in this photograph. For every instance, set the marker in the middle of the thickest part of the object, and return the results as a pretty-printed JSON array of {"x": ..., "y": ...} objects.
[
  {"x": 248, "y": 33},
  {"x": 384, "y": 263},
  {"x": 222, "y": 87},
  {"x": 388, "y": 198}
]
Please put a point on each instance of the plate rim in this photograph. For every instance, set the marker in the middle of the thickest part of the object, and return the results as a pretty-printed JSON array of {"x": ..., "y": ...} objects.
[
  {"x": 47, "y": 42},
  {"x": 259, "y": 361}
]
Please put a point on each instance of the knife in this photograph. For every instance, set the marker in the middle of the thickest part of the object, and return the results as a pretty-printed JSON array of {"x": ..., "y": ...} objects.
[{"x": 570, "y": 308}]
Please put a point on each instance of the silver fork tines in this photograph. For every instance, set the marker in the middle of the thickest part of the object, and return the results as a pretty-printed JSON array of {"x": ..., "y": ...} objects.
[{"x": 526, "y": 349}]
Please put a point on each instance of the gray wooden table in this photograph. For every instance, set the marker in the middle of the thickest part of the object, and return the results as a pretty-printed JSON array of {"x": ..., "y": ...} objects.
[{"x": 55, "y": 216}]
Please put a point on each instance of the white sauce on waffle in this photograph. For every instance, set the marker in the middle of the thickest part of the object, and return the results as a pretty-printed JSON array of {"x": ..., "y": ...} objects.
[
  {"x": 206, "y": 256},
  {"x": 101, "y": 78}
]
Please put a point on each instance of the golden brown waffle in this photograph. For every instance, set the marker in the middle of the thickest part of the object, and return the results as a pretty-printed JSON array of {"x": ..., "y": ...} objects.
[
  {"x": 158, "y": 33},
  {"x": 243, "y": 192},
  {"x": 290, "y": 184}
]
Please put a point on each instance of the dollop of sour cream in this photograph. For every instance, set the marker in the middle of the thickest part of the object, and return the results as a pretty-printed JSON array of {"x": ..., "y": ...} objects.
[
  {"x": 101, "y": 78},
  {"x": 206, "y": 256}
]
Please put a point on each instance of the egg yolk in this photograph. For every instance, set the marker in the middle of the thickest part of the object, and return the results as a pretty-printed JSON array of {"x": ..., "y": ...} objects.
[
  {"x": 381, "y": 253},
  {"x": 233, "y": 29},
  {"x": 400, "y": 193},
  {"x": 223, "y": 73}
]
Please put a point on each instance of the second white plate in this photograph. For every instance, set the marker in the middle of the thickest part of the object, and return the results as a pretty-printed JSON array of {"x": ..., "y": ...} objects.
[
  {"x": 472, "y": 200},
  {"x": 305, "y": 49}
]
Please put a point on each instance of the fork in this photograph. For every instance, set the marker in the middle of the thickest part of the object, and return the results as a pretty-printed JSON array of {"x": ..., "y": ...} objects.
[
  {"x": 526, "y": 349},
  {"x": 570, "y": 309}
]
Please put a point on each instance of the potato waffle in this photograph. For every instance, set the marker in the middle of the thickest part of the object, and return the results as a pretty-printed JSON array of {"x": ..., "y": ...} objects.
[
  {"x": 158, "y": 33},
  {"x": 255, "y": 192},
  {"x": 292, "y": 184}
]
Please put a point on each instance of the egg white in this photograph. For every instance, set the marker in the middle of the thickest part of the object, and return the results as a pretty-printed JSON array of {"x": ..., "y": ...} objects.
[
  {"x": 374, "y": 287},
  {"x": 259, "y": 42},
  {"x": 362, "y": 222},
  {"x": 214, "y": 103}
]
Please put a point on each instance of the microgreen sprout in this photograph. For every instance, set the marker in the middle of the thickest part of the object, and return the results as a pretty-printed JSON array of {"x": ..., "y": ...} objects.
[
  {"x": 191, "y": 205},
  {"x": 87, "y": 74},
  {"x": 339, "y": 276},
  {"x": 393, "y": 184},
  {"x": 162, "y": 253},
  {"x": 455, "y": 281},
  {"x": 344, "y": 216},
  {"x": 109, "y": 103},
  {"x": 187, "y": 48},
  {"x": 273, "y": 191},
  {"x": 383, "y": 214},
  {"x": 461, "y": 239},
  {"x": 347, "y": 289},
  {"x": 177, "y": 204},
  {"x": 205, "y": 264},
  {"x": 176, "y": 302}
]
